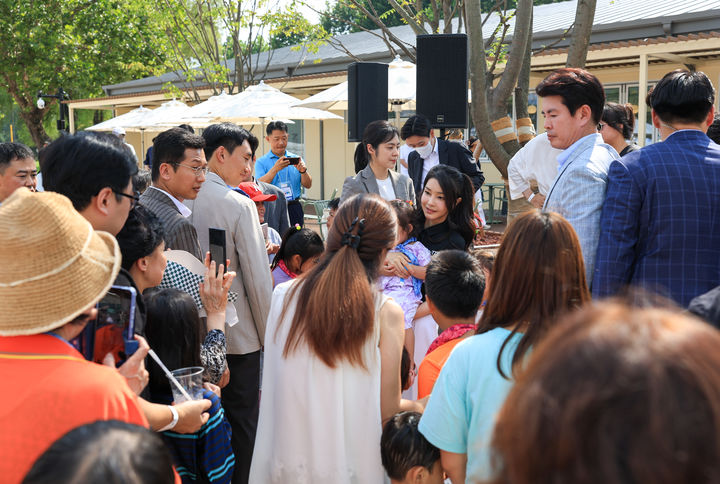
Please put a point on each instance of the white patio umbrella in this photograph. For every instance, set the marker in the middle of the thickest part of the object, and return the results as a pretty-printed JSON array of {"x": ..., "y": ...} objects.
[
  {"x": 401, "y": 90},
  {"x": 167, "y": 114},
  {"x": 200, "y": 115},
  {"x": 122, "y": 121},
  {"x": 261, "y": 103}
]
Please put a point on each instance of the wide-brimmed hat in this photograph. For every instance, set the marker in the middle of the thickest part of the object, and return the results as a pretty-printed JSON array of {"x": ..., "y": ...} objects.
[{"x": 53, "y": 265}]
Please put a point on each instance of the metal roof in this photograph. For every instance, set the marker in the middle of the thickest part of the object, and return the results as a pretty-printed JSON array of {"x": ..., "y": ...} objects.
[{"x": 615, "y": 21}]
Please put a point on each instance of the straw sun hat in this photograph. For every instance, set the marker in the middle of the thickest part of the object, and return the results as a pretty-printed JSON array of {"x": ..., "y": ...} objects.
[{"x": 53, "y": 265}]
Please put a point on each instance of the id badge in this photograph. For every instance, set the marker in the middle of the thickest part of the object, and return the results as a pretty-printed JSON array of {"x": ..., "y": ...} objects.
[{"x": 287, "y": 190}]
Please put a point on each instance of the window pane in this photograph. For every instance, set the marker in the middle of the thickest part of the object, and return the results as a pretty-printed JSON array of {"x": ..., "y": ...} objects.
[
  {"x": 612, "y": 94},
  {"x": 649, "y": 128}
]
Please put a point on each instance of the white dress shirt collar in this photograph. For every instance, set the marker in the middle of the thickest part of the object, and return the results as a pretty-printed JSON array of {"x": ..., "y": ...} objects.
[{"x": 183, "y": 209}]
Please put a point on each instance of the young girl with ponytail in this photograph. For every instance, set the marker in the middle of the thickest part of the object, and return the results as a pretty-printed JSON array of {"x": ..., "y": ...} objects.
[{"x": 299, "y": 251}]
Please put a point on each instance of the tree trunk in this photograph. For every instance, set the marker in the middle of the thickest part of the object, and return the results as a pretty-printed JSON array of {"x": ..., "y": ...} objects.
[
  {"x": 479, "y": 83},
  {"x": 580, "y": 37},
  {"x": 34, "y": 122},
  {"x": 98, "y": 116},
  {"x": 516, "y": 207}
]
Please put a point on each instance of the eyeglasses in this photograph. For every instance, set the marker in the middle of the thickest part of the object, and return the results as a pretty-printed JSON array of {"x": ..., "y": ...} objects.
[
  {"x": 134, "y": 199},
  {"x": 199, "y": 170},
  {"x": 600, "y": 126}
]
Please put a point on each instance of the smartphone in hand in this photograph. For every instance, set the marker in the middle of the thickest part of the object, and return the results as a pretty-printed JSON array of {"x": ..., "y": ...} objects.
[
  {"x": 114, "y": 329},
  {"x": 217, "y": 247}
]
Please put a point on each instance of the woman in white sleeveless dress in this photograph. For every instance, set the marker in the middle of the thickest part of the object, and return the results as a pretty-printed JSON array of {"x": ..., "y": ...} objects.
[{"x": 331, "y": 373}]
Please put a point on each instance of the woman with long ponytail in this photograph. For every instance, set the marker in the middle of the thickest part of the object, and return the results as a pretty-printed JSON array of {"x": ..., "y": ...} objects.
[{"x": 333, "y": 348}]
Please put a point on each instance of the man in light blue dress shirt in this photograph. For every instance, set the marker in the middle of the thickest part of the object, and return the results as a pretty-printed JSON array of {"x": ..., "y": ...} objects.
[
  {"x": 279, "y": 168},
  {"x": 572, "y": 102}
]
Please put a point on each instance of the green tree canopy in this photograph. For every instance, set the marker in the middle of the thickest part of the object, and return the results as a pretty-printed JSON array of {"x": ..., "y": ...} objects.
[{"x": 74, "y": 44}]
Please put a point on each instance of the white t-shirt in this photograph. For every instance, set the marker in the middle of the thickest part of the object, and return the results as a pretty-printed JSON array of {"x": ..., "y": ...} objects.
[
  {"x": 274, "y": 238},
  {"x": 405, "y": 151},
  {"x": 386, "y": 189},
  {"x": 537, "y": 160}
]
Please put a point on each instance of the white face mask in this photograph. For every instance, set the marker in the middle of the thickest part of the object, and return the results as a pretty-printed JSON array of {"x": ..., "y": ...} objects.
[{"x": 425, "y": 151}]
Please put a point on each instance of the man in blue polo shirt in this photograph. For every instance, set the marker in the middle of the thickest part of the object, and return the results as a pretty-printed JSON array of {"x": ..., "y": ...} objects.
[{"x": 276, "y": 167}]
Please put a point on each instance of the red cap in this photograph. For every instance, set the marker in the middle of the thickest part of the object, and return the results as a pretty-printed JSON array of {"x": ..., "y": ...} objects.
[{"x": 253, "y": 191}]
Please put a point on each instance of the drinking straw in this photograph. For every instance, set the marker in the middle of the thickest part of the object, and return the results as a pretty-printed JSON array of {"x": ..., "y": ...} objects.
[{"x": 170, "y": 376}]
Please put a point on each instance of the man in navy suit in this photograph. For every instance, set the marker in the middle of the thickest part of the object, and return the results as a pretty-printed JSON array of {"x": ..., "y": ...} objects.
[
  {"x": 430, "y": 151},
  {"x": 660, "y": 224}
]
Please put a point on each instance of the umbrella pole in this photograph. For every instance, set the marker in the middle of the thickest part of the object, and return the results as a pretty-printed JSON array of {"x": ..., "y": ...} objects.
[
  {"x": 262, "y": 130},
  {"x": 142, "y": 144},
  {"x": 322, "y": 160}
]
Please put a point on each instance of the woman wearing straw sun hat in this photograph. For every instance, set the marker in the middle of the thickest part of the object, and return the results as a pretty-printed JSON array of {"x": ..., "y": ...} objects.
[{"x": 55, "y": 268}]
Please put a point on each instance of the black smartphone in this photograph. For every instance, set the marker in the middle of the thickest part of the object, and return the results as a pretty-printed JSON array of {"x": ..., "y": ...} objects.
[
  {"x": 217, "y": 247},
  {"x": 294, "y": 160},
  {"x": 113, "y": 330}
]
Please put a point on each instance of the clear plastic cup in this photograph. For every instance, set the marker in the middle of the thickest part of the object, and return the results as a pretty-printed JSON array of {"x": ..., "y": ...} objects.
[{"x": 191, "y": 380}]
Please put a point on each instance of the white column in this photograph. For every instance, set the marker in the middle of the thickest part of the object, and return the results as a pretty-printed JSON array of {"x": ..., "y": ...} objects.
[
  {"x": 71, "y": 119},
  {"x": 642, "y": 93}
]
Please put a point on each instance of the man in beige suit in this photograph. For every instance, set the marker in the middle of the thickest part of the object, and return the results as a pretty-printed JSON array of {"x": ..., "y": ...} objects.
[{"x": 217, "y": 205}]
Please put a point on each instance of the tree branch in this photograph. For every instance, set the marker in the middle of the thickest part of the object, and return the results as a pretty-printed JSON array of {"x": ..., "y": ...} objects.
[
  {"x": 415, "y": 25},
  {"x": 523, "y": 27}
]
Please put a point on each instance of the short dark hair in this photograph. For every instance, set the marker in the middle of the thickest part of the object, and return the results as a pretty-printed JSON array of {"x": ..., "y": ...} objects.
[
  {"x": 417, "y": 125},
  {"x": 140, "y": 236},
  {"x": 577, "y": 87},
  {"x": 334, "y": 203},
  {"x": 104, "y": 451},
  {"x": 254, "y": 142},
  {"x": 141, "y": 180},
  {"x": 455, "y": 283},
  {"x": 227, "y": 135},
  {"x": 621, "y": 117},
  {"x": 187, "y": 127},
  {"x": 13, "y": 151},
  {"x": 80, "y": 165},
  {"x": 713, "y": 130},
  {"x": 169, "y": 147},
  {"x": 682, "y": 96},
  {"x": 276, "y": 126},
  {"x": 403, "y": 447}
]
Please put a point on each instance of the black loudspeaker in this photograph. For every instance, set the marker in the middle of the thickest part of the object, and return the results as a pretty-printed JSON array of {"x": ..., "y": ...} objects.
[
  {"x": 367, "y": 96},
  {"x": 442, "y": 79}
]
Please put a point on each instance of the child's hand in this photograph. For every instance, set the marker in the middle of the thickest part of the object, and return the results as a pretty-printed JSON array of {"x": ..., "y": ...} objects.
[{"x": 398, "y": 262}]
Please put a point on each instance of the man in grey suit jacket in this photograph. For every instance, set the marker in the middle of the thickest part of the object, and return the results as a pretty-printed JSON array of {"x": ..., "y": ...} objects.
[
  {"x": 572, "y": 103},
  {"x": 178, "y": 172},
  {"x": 218, "y": 206}
]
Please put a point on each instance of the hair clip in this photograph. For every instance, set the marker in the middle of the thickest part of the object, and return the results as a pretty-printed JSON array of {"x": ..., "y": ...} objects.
[{"x": 297, "y": 227}]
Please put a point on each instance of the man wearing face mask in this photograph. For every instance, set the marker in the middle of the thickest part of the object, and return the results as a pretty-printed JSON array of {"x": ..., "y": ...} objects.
[{"x": 429, "y": 151}]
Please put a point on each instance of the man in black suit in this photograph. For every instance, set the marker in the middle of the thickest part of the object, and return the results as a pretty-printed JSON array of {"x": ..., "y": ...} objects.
[{"x": 430, "y": 151}]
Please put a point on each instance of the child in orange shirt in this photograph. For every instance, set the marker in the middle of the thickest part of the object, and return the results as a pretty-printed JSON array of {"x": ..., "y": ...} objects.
[{"x": 454, "y": 286}]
